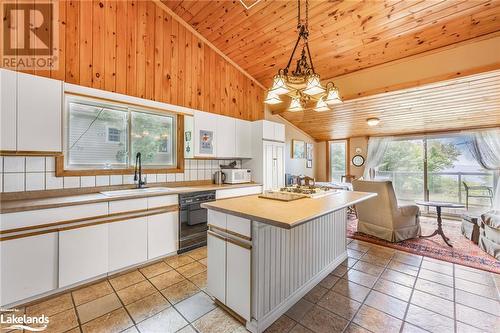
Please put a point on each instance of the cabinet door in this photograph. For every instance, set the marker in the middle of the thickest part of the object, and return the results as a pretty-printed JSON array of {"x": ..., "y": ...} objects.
[
  {"x": 243, "y": 139},
  {"x": 162, "y": 234},
  {"x": 39, "y": 113},
  {"x": 8, "y": 109},
  {"x": 269, "y": 166},
  {"x": 279, "y": 153},
  {"x": 28, "y": 267},
  {"x": 204, "y": 121},
  {"x": 267, "y": 130},
  {"x": 83, "y": 254},
  {"x": 238, "y": 279},
  {"x": 216, "y": 275},
  {"x": 128, "y": 243},
  {"x": 279, "y": 132},
  {"x": 226, "y": 136}
]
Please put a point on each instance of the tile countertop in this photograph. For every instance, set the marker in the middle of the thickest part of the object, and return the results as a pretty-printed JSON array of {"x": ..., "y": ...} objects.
[
  {"x": 11, "y": 206},
  {"x": 290, "y": 214}
]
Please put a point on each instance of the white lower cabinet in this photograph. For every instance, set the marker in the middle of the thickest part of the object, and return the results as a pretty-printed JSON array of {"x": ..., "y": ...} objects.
[
  {"x": 238, "y": 279},
  {"x": 28, "y": 267},
  {"x": 83, "y": 254},
  {"x": 128, "y": 243},
  {"x": 229, "y": 263},
  {"x": 216, "y": 265},
  {"x": 162, "y": 234}
]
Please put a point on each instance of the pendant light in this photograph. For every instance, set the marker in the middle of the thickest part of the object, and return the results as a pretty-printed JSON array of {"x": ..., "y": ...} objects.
[
  {"x": 321, "y": 105},
  {"x": 332, "y": 96},
  {"x": 295, "y": 105},
  {"x": 272, "y": 98},
  {"x": 313, "y": 86},
  {"x": 302, "y": 80}
]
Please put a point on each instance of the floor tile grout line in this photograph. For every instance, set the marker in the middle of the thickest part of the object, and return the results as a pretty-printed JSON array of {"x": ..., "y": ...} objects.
[
  {"x": 123, "y": 305},
  {"x": 410, "y": 298},
  {"x": 76, "y": 312}
]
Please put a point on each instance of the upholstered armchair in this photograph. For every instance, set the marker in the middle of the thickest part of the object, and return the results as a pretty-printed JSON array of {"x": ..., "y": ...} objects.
[
  {"x": 382, "y": 217},
  {"x": 489, "y": 234}
]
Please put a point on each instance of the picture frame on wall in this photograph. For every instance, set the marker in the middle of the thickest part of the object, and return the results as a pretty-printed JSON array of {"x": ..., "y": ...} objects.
[
  {"x": 309, "y": 164},
  {"x": 309, "y": 151},
  {"x": 298, "y": 149}
]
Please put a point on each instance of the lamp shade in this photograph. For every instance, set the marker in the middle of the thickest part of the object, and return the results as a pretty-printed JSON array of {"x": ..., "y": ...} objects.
[
  {"x": 332, "y": 96},
  {"x": 313, "y": 86},
  {"x": 295, "y": 105},
  {"x": 272, "y": 98},
  {"x": 321, "y": 106},
  {"x": 279, "y": 85},
  {"x": 372, "y": 121}
]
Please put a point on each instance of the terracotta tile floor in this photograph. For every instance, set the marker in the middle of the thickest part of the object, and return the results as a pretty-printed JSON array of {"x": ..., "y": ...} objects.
[{"x": 376, "y": 290}]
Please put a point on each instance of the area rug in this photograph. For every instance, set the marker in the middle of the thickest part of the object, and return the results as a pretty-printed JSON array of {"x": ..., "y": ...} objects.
[{"x": 464, "y": 252}]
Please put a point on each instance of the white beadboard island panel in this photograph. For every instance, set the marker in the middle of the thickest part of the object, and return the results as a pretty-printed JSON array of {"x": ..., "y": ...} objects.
[{"x": 288, "y": 263}]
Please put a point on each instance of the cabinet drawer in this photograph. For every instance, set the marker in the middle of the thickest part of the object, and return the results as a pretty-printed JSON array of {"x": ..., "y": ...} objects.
[
  {"x": 238, "y": 192},
  {"x": 52, "y": 215},
  {"x": 239, "y": 225},
  {"x": 128, "y": 205},
  {"x": 161, "y": 201}
]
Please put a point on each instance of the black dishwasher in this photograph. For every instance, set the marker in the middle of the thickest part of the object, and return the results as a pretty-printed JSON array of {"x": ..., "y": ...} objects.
[{"x": 193, "y": 219}]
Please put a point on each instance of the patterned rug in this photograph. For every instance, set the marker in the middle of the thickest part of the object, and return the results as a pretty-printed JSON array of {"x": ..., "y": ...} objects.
[{"x": 464, "y": 252}]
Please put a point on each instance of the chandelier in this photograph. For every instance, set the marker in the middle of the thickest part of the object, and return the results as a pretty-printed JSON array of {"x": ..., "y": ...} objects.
[{"x": 302, "y": 85}]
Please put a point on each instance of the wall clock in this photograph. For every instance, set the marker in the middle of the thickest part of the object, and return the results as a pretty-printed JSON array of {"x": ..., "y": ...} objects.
[{"x": 358, "y": 160}]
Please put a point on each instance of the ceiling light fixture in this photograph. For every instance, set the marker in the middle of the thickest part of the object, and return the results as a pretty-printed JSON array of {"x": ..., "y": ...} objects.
[
  {"x": 372, "y": 121},
  {"x": 302, "y": 84}
]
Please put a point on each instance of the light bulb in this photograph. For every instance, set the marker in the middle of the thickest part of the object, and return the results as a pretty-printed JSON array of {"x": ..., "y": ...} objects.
[
  {"x": 321, "y": 106},
  {"x": 272, "y": 98},
  {"x": 295, "y": 105},
  {"x": 332, "y": 96},
  {"x": 279, "y": 85},
  {"x": 313, "y": 86}
]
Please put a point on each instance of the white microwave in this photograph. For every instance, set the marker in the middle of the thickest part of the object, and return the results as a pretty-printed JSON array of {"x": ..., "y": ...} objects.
[{"x": 237, "y": 176}]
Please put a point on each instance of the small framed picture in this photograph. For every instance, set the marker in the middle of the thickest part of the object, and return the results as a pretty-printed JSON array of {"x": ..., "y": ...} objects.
[
  {"x": 309, "y": 151},
  {"x": 309, "y": 164},
  {"x": 298, "y": 149}
]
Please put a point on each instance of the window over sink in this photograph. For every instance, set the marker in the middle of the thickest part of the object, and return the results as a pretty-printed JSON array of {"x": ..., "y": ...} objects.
[{"x": 104, "y": 135}]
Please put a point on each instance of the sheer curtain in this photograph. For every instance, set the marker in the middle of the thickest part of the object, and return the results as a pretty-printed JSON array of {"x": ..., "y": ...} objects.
[
  {"x": 485, "y": 147},
  {"x": 377, "y": 146}
]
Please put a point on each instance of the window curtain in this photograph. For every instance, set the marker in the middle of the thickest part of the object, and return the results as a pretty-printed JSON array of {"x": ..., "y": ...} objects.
[
  {"x": 377, "y": 146},
  {"x": 485, "y": 147}
]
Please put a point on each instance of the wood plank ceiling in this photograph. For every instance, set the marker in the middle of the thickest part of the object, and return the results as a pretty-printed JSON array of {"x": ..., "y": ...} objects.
[
  {"x": 468, "y": 102},
  {"x": 347, "y": 36}
]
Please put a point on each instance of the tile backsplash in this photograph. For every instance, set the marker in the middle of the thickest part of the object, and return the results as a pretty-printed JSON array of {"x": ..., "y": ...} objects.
[{"x": 30, "y": 173}]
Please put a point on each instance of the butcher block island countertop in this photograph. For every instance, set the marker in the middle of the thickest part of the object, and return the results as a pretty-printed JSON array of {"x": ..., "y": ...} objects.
[{"x": 286, "y": 214}]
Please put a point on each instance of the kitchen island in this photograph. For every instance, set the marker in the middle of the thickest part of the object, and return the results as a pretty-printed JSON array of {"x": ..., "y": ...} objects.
[{"x": 264, "y": 255}]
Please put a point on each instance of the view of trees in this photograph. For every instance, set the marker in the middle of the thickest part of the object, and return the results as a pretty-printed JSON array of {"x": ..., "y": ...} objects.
[{"x": 404, "y": 164}]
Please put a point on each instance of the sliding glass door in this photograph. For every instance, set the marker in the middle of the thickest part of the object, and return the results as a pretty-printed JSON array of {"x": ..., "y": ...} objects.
[
  {"x": 436, "y": 168},
  {"x": 403, "y": 163}
]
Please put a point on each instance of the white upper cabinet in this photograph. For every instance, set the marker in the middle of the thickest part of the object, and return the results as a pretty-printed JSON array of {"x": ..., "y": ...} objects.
[
  {"x": 269, "y": 130},
  {"x": 243, "y": 138},
  {"x": 8, "y": 109},
  {"x": 39, "y": 113},
  {"x": 230, "y": 137},
  {"x": 205, "y": 127},
  {"x": 226, "y": 137}
]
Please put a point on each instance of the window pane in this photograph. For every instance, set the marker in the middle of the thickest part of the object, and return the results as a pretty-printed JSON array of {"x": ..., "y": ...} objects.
[
  {"x": 337, "y": 160},
  {"x": 97, "y": 136},
  {"x": 154, "y": 137},
  {"x": 403, "y": 163}
]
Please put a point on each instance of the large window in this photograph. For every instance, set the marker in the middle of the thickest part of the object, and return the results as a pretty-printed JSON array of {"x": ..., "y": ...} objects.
[
  {"x": 338, "y": 160},
  {"x": 434, "y": 168},
  {"x": 108, "y": 136}
]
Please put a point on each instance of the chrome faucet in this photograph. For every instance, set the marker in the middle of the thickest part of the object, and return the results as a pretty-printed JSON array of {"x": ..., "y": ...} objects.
[{"x": 138, "y": 172}]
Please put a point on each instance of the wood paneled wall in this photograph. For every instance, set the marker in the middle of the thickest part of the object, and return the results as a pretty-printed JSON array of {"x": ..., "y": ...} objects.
[{"x": 136, "y": 48}]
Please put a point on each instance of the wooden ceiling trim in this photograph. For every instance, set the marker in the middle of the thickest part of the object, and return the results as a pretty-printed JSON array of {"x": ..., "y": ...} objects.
[{"x": 196, "y": 33}]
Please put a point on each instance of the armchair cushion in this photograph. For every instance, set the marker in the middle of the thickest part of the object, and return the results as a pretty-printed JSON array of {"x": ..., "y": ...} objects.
[{"x": 492, "y": 219}]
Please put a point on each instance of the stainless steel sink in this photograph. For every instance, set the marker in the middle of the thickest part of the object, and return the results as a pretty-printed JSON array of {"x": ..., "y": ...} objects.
[{"x": 136, "y": 191}]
